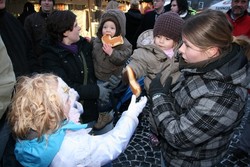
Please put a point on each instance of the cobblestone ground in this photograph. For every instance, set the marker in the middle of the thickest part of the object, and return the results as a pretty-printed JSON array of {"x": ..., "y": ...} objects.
[{"x": 139, "y": 152}]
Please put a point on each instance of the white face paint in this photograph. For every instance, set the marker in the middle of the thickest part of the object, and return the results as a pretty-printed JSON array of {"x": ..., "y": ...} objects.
[{"x": 72, "y": 108}]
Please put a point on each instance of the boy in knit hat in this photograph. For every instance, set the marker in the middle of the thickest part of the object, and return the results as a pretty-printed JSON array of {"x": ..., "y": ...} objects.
[
  {"x": 156, "y": 55},
  {"x": 156, "y": 50},
  {"x": 109, "y": 61}
]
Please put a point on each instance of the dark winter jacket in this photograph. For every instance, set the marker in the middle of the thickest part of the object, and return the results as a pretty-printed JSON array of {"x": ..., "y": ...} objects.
[
  {"x": 70, "y": 68},
  {"x": 16, "y": 43},
  {"x": 35, "y": 27},
  {"x": 133, "y": 21}
]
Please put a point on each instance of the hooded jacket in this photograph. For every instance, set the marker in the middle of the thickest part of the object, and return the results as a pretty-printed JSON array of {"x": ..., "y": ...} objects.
[
  {"x": 106, "y": 65},
  {"x": 149, "y": 60},
  {"x": 196, "y": 120}
]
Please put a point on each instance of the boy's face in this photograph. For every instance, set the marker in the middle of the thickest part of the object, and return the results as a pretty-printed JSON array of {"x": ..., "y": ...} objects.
[
  {"x": 109, "y": 28},
  {"x": 163, "y": 42}
]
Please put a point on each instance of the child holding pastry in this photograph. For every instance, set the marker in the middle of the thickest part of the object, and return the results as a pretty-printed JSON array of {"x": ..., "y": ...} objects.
[
  {"x": 156, "y": 55},
  {"x": 156, "y": 50},
  {"x": 110, "y": 54}
]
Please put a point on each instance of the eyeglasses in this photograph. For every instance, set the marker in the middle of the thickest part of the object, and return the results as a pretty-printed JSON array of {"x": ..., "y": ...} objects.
[{"x": 155, "y": 1}]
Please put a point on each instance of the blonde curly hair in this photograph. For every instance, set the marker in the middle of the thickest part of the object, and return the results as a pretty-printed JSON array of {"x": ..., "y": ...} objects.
[{"x": 36, "y": 106}]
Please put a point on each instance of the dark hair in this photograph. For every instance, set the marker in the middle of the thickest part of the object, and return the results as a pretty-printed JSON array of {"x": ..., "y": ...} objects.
[
  {"x": 52, "y": 1},
  {"x": 58, "y": 23},
  {"x": 114, "y": 20},
  {"x": 182, "y": 5},
  {"x": 28, "y": 7}
]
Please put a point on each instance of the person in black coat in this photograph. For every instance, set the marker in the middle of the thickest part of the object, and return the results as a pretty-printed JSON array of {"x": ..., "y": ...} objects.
[
  {"x": 69, "y": 56},
  {"x": 28, "y": 9},
  {"x": 133, "y": 21},
  {"x": 18, "y": 49}
]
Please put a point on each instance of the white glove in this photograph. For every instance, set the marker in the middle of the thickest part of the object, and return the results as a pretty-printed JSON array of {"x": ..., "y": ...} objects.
[{"x": 135, "y": 108}]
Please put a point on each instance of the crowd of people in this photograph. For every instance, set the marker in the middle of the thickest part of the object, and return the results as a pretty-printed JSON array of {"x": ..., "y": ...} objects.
[{"x": 57, "y": 87}]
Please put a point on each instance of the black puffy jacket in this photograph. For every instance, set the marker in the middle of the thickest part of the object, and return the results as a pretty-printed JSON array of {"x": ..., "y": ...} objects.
[{"x": 70, "y": 68}]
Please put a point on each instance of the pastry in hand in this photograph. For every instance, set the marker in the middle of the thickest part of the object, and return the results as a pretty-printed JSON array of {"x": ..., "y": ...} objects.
[
  {"x": 117, "y": 40},
  {"x": 134, "y": 85}
]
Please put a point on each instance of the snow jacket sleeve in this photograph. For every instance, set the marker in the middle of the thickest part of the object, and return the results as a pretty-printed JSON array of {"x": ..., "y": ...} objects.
[
  {"x": 81, "y": 149},
  {"x": 7, "y": 80}
]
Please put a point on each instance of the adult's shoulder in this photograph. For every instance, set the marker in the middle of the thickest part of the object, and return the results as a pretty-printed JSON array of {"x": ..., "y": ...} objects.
[
  {"x": 149, "y": 13},
  {"x": 33, "y": 15},
  {"x": 85, "y": 44}
]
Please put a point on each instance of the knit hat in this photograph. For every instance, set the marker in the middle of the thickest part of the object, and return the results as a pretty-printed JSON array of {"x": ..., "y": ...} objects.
[
  {"x": 52, "y": 1},
  {"x": 169, "y": 24}
]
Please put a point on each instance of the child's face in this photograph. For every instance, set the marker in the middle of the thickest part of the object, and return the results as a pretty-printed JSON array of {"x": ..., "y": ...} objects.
[
  {"x": 163, "y": 42},
  {"x": 109, "y": 28}
]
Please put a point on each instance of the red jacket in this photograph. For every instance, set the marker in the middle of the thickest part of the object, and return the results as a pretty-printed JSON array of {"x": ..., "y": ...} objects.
[{"x": 241, "y": 25}]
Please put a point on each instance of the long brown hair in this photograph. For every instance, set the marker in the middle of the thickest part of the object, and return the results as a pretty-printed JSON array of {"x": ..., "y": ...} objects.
[{"x": 212, "y": 28}]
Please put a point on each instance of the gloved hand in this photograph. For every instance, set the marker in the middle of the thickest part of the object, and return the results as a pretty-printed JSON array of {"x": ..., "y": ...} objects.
[
  {"x": 156, "y": 86},
  {"x": 114, "y": 81},
  {"x": 135, "y": 108},
  {"x": 104, "y": 92}
]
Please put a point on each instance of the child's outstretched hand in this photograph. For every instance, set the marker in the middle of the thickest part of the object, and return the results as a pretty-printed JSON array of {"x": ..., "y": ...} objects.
[
  {"x": 135, "y": 108},
  {"x": 107, "y": 49}
]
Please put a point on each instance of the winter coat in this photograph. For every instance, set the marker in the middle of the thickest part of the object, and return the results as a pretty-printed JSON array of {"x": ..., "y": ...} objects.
[
  {"x": 240, "y": 25},
  {"x": 106, "y": 65},
  {"x": 149, "y": 60},
  {"x": 196, "y": 120},
  {"x": 16, "y": 43},
  {"x": 70, "y": 68},
  {"x": 35, "y": 27},
  {"x": 72, "y": 146},
  {"x": 7, "y": 80},
  {"x": 133, "y": 21}
]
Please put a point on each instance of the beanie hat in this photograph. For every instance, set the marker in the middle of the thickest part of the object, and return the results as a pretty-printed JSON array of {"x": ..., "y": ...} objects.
[
  {"x": 169, "y": 24},
  {"x": 52, "y": 1}
]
